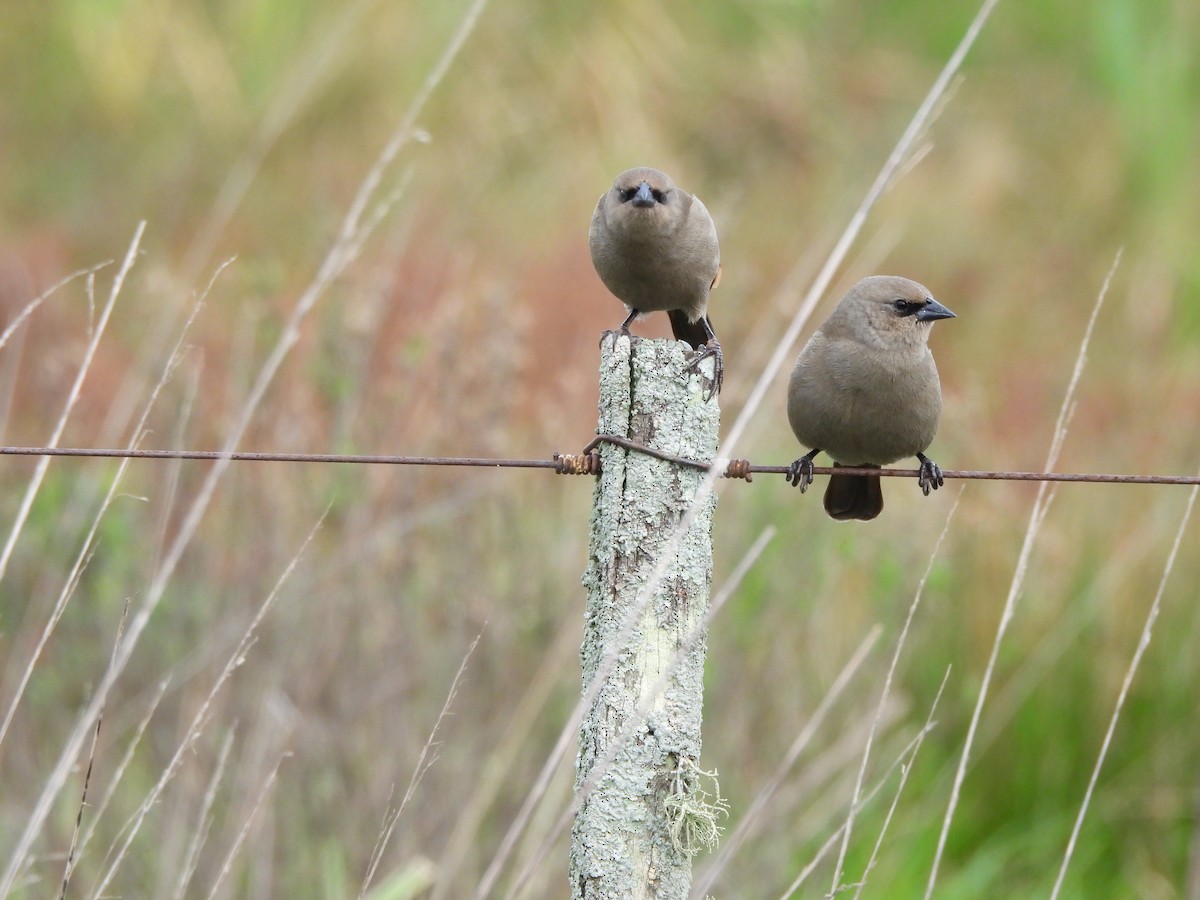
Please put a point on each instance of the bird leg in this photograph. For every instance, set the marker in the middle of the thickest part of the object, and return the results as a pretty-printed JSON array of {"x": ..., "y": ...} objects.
[
  {"x": 711, "y": 347},
  {"x": 800, "y": 473},
  {"x": 930, "y": 477},
  {"x": 624, "y": 329}
]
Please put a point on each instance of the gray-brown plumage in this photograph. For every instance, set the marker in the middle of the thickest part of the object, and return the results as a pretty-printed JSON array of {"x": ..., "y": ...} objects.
[
  {"x": 655, "y": 247},
  {"x": 866, "y": 391}
]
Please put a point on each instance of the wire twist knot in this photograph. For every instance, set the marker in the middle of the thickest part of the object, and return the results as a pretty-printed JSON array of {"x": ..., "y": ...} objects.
[
  {"x": 738, "y": 468},
  {"x": 577, "y": 463}
]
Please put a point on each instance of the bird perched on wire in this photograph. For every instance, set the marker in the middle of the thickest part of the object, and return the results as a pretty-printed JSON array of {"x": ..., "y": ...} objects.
[
  {"x": 866, "y": 391},
  {"x": 655, "y": 247}
]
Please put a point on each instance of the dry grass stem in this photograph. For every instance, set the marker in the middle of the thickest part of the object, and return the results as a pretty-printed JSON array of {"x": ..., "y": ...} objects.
[
  {"x": 886, "y": 693},
  {"x": 29, "y": 308},
  {"x": 750, "y": 819},
  {"x": 905, "y": 770},
  {"x": 59, "y": 776},
  {"x": 351, "y": 233},
  {"x": 85, "y": 366},
  {"x": 170, "y": 487},
  {"x": 500, "y": 763},
  {"x": 122, "y": 766},
  {"x": 191, "y": 856},
  {"x": 903, "y": 761},
  {"x": 227, "y": 864},
  {"x": 87, "y": 777},
  {"x": 1041, "y": 506},
  {"x": 200, "y": 720},
  {"x": 89, "y": 541},
  {"x": 424, "y": 761},
  {"x": 1143, "y": 643}
]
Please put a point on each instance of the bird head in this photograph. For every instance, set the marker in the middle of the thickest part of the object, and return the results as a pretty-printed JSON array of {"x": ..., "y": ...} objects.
[
  {"x": 641, "y": 194},
  {"x": 889, "y": 311}
]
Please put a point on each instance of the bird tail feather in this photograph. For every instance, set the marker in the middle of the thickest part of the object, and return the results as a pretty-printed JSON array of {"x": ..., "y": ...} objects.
[
  {"x": 854, "y": 496},
  {"x": 692, "y": 332}
]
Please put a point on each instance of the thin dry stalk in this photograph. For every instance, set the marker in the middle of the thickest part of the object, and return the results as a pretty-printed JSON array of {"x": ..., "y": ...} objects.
[
  {"x": 85, "y": 366},
  {"x": 904, "y": 773},
  {"x": 170, "y": 488},
  {"x": 89, "y": 541},
  {"x": 200, "y": 719},
  {"x": 28, "y": 309},
  {"x": 227, "y": 865},
  {"x": 883, "y": 696},
  {"x": 204, "y": 818},
  {"x": 904, "y": 762},
  {"x": 1143, "y": 643},
  {"x": 750, "y": 820},
  {"x": 530, "y": 804},
  {"x": 424, "y": 761},
  {"x": 87, "y": 777},
  {"x": 497, "y": 770},
  {"x": 123, "y": 765},
  {"x": 10, "y": 365},
  {"x": 1041, "y": 506}
]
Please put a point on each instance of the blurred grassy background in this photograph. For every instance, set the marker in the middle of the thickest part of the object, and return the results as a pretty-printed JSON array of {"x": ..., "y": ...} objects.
[{"x": 469, "y": 327}]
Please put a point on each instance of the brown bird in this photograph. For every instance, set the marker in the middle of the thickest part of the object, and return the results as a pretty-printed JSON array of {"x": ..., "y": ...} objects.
[
  {"x": 866, "y": 391},
  {"x": 655, "y": 247}
]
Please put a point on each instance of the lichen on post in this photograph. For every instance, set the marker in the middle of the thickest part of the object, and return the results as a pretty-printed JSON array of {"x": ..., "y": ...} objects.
[{"x": 639, "y": 748}]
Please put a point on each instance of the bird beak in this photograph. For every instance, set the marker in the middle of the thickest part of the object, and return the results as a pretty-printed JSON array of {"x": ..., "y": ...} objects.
[
  {"x": 643, "y": 197},
  {"x": 932, "y": 311}
]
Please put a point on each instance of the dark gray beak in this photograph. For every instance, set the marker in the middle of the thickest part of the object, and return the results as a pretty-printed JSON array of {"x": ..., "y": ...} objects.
[
  {"x": 932, "y": 311},
  {"x": 643, "y": 197}
]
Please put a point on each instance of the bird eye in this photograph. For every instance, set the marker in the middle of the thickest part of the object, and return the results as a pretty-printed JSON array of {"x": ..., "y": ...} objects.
[
  {"x": 659, "y": 196},
  {"x": 627, "y": 194},
  {"x": 903, "y": 307}
]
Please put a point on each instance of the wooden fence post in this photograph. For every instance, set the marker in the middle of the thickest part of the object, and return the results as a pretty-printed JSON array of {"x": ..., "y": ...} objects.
[{"x": 636, "y": 828}]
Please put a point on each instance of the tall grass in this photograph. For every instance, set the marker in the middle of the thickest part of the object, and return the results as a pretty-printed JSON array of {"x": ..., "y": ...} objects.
[{"x": 466, "y": 324}]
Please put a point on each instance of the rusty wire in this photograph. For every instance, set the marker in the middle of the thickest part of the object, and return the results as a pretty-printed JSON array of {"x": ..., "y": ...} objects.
[{"x": 586, "y": 463}]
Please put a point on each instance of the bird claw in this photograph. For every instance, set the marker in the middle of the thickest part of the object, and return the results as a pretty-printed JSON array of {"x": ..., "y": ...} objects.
[
  {"x": 710, "y": 349},
  {"x": 615, "y": 334},
  {"x": 800, "y": 473},
  {"x": 930, "y": 475}
]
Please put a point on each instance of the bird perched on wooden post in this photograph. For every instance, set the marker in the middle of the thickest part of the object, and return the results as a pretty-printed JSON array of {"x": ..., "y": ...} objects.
[
  {"x": 866, "y": 391},
  {"x": 655, "y": 247}
]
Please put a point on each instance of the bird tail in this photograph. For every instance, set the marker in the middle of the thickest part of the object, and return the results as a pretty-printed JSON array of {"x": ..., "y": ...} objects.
[
  {"x": 692, "y": 332},
  {"x": 854, "y": 496}
]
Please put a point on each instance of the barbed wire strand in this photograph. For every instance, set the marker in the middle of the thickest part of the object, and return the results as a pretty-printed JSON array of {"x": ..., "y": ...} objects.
[{"x": 588, "y": 463}]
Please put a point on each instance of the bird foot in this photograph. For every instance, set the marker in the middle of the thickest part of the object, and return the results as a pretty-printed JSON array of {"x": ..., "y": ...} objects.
[
  {"x": 930, "y": 477},
  {"x": 800, "y": 473},
  {"x": 615, "y": 333},
  {"x": 710, "y": 349}
]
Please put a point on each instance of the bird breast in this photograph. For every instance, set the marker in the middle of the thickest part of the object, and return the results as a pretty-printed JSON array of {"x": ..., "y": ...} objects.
[
  {"x": 861, "y": 405},
  {"x": 650, "y": 264}
]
